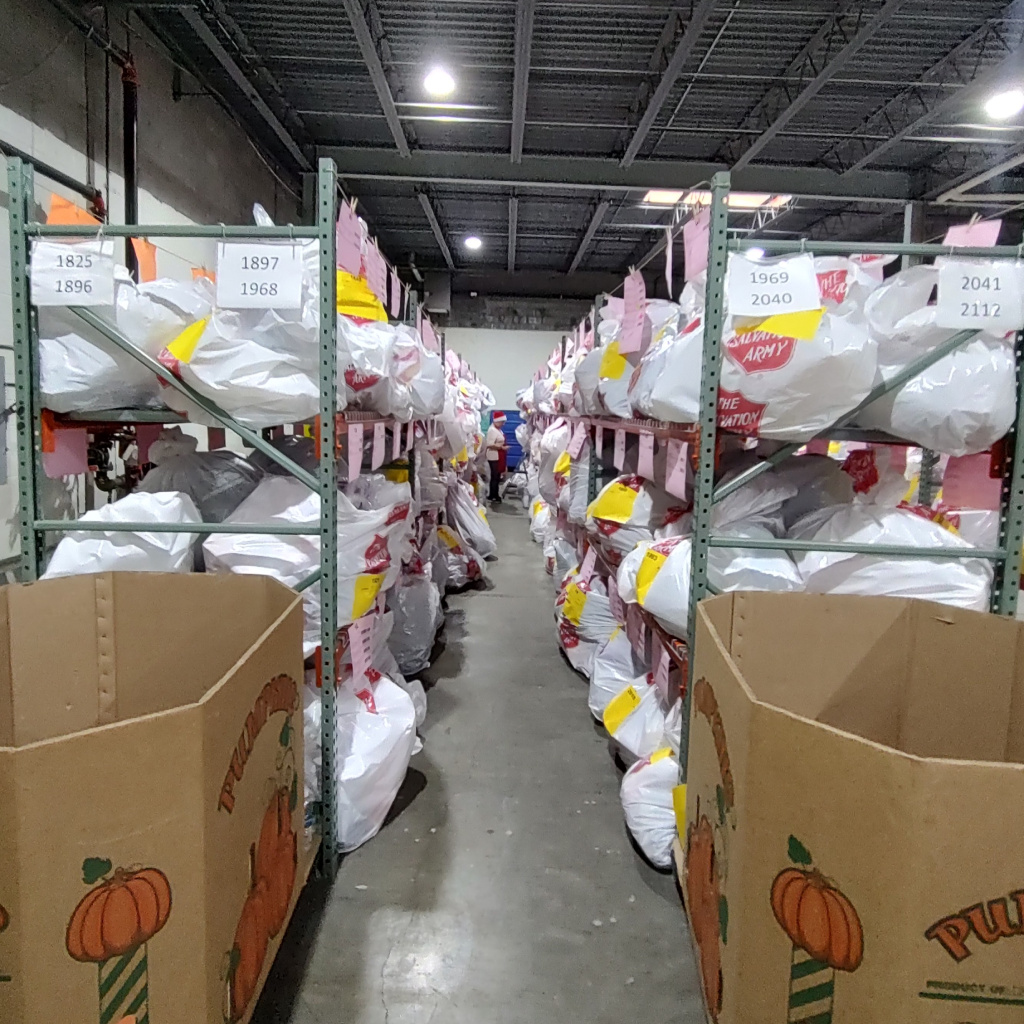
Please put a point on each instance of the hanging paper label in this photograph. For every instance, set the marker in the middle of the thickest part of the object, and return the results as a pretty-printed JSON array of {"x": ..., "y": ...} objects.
[
  {"x": 696, "y": 243},
  {"x": 410, "y": 436},
  {"x": 635, "y": 292},
  {"x": 348, "y": 235},
  {"x": 635, "y": 629},
  {"x": 982, "y": 234},
  {"x": 788, "y": 285},
  {"x": 364, "y": 593},
  {"x": 578, "y": 438},
  {"x": 254, "y": 276},
  {"x": 396, "y": 441},
  {"x": 619, "y": 456},
  {"x": 355, "y": 450},
  {"x": 645, "y": 459},
  {"x": 660, "y": 658},
  {"x": 669, "y": 238},
  {"x": 360, "y": 642},
  {"x": 984, "y": 294},
  {"x": 72, "y": 274},
  {"x": 379, "y": 439},
  {"x": 429, "y": 337},
  {"x": 598, "y": 440},
  {"x": 396, "y": 295},
  {"x": 589, "y": 561},
  {"x": 618, "y": 609},
  {"x": 675, "y": 471}
]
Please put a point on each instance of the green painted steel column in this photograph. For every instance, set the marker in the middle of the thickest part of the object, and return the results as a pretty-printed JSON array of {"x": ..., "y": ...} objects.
[
  {"x": 327, "y": 190},
  {"x": 703, "y": 489},
  {"x": 20, "y": 191},
  {"x": 1006, "y": 585}
]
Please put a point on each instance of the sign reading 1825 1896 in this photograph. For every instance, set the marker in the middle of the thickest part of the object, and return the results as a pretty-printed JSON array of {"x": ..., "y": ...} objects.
[
  {"x": 72, "y": 273},
  {"x": 259, "y": 276}
]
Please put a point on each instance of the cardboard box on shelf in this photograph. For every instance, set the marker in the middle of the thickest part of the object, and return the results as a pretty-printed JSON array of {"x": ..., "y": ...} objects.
[
  {"x": 853, "y": 825},
  {"x": 151, "y": 820}
]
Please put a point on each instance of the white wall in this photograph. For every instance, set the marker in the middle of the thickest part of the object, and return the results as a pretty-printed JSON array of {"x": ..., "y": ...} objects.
[{"x": 504, "y": 360}]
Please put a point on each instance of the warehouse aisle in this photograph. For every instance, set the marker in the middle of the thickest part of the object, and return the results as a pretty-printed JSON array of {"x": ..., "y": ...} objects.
[{"x": 506, "y": 890}]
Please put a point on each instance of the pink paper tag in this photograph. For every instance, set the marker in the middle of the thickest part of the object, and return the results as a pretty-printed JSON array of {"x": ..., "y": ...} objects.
[
  {"x": 619, "y": 456},
  {"x": 662, "y": 664},
  {"x": 396, "y": 441},
  {"x": 618, "y": 609},
  {"x": 396, "y": 295},
  {"x": 578, "y": 437},
  {"x": 379, "y": 439},
  {"x": 696, "y": 240},
  {"x": 377, "y": 273},
  {"x": 70, "y": 455},
  {"x": 410, "y": 436},
  {"x": 818, "y": 447},
  {"x": 430, "y": 337},
  {"x": 897, "y": 458},
  {"x": 645, "y": 460},
  {"x": 669, "y": 239},
  {"x": 967, "y": 484},
  {"x": 675, "y": 472},
  {"x": 349, "y": 238},
  {"x": 419, "y": 319},
  {"x": 635, "y": 627},
  {"x": 587, "y": 568},
  {"x": 598, "y": 440},
  {"x": 360, "y": 640},
  {"x": 982, "y": 233},
  {"x": 632, "y": 332},
  {"x": 355, "y": 450}
]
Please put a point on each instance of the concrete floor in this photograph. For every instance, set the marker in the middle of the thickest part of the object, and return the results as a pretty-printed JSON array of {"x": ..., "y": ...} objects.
[{"x": 505, "y": 888}]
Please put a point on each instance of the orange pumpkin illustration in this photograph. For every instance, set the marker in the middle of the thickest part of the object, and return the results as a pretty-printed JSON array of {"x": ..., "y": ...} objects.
[
  {"x": 277, "y": 858},
  {"x": 250, "y": 946},
  {"x": 702, "y": 901},
  {"x": 5, "y": 918},
  {"x": 707, "y": 704},
  {"x": 818, "y": 918},
  {"x": 119, "y": 915}
]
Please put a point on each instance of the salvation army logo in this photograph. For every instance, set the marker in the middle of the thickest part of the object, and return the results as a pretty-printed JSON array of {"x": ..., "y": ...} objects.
[
  {"x": 760, "y": 350},
  {"x": 358, "y": 380},
  {"x": 737, "y": 412},
  {"x": 377, "y": 556},
  {"x": 833, "y": 285}
]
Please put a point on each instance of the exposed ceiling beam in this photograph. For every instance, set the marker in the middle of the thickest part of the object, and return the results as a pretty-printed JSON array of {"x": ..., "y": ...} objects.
[
  {"x": 835, "y": 44},
  {"x": 521, "y": 77},
  {"x": 973, "y": 67},
  {"x": 234, "y": 72},
  {"x": 702, "y": 10},
  {"x": 588, "y": 236},
  {"x": 599, "y": 174},
  {"x": 435, "y": 226},
  {"x": 958, "y": 169},
  {"x": 372, "y": 59},
  {"x": 513, "y": 224}
]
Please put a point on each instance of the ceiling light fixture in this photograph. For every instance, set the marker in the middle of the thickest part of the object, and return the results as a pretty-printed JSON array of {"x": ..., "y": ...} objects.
[
  {"x": 1003, "y": 105},
  {"x": 740, "y": 200},
  {"x": 472, "y": 243},
  {"x": 663, "y": 197},
  {"x": 754, "y": 253},
  {"x": 438, "y": 82}
]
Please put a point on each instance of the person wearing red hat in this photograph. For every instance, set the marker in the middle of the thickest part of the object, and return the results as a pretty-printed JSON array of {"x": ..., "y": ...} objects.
[{"x": 497, "y": 452}]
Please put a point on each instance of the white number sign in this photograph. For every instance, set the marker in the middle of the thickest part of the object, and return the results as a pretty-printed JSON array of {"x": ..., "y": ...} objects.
[
  {"x": 73, "y": 273},
  {"x": 984, "y": 294},
  {"x": 259, "y": 276},
  {"x": 764, "y": 289}
]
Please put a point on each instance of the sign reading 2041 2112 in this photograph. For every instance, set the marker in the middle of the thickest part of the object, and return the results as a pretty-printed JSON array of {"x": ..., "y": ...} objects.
[
  {"x": 983, "y": 294},
  {"x": 259, "y": 276}
]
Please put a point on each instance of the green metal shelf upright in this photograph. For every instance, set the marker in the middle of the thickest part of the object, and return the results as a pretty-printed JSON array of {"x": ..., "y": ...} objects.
[
  {"x": 32, "y": 528},
  {"x": 1006, "y": 557}
]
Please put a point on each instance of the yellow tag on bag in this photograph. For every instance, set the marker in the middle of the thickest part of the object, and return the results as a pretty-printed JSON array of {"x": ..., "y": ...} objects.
[
  {"x": 660, "y": 755},
  {"x": 620, "y": 708},
  {"x": 615, "y": 504},
  {"x": 802, "y": 326},
  {"x": 365, "y": 591},
  {"x": 563, "y": 464},
  {"x": 448, "y": 538},
  {"x": 650, "y": 566},
  {"x": 183, "y": 347},
  {"x": 575, "y": 599},
  {"x": 613, "y": 365},
  {"x": 679, "y": 806}
]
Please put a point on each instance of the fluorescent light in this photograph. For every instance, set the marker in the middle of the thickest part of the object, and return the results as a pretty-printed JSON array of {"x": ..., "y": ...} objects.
[
  {"x": 663, "y": 197},
  {"x": 472, "y": 243},
  {"x": 1004, "y": 105},
  {"x": 739, "y": 200},
  {"x": 438, "y": 82},
  {"x": 754, "y": 253}
]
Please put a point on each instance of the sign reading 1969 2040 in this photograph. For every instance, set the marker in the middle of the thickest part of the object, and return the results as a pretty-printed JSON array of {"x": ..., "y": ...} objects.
[{"x": 259, "y": 276}]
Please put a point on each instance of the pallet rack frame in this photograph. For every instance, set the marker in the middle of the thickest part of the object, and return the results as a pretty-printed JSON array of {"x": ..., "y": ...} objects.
[{"x": 32, "y": 528}]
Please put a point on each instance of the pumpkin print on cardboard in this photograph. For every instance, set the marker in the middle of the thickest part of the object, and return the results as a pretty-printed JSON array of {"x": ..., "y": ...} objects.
[
  {"x": 112, "y": 926},
  {"x": 824, "y": 928},
  {"x": 5, "y": 918}
]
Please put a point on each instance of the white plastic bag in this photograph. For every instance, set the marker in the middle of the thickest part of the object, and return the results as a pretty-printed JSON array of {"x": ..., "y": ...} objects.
[
  {"x": 964, "y": 583},
  {"x": 416, "y": 605},
  {"x": 464, "y": 565},
  {"x": 376, "y": 735},
  {"x": 646, "y": 795},
  {"x": 80, "y": 552},
  {"x": 635, "y": 720},
  {"x": 615, "y": 667},
  {"x": 469, "y": 518},
  {"x": 666, "y": 385}
]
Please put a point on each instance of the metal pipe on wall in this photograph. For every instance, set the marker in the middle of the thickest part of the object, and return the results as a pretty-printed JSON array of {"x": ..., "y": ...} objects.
[{"x": 130, "y": 118}]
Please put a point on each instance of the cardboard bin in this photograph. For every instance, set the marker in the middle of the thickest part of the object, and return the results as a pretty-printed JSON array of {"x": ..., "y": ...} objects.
[
  {"x": 854, "y": 847},
  {"x": 151, "y": 818}
]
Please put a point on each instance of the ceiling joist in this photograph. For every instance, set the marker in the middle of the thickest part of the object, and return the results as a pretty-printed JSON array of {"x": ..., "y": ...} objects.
[
  {"x": 435, "y": 226},
  {"x": 521, "y": 76}
]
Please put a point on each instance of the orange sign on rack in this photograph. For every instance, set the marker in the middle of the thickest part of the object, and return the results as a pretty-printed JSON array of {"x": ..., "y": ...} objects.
[
  {"x": 145, "y": 255},
  {"x": 63, "y": 211}
]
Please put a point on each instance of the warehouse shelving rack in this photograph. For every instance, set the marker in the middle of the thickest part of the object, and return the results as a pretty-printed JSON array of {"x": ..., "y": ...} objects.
[{"x": 33, "y": 529}]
